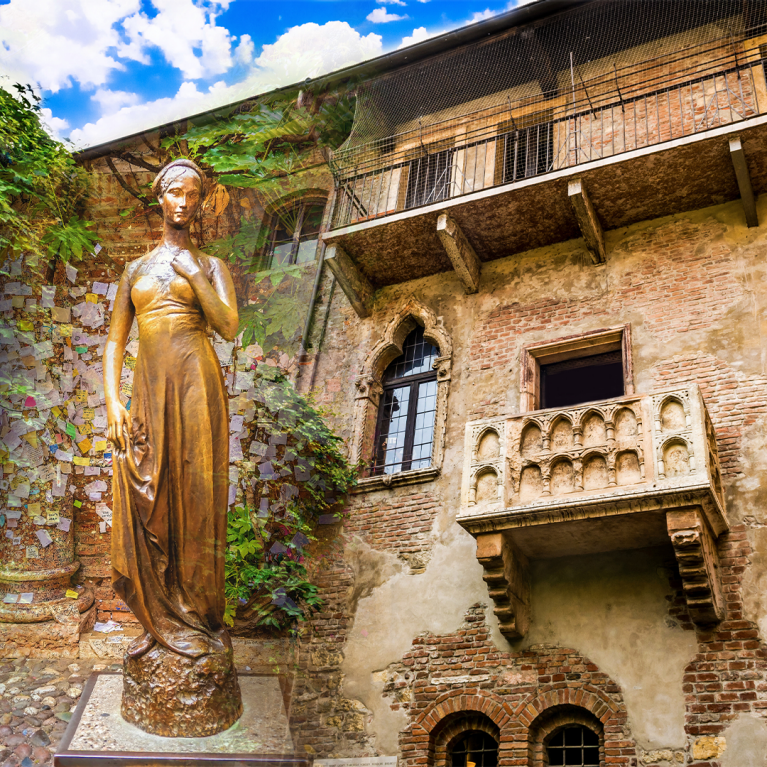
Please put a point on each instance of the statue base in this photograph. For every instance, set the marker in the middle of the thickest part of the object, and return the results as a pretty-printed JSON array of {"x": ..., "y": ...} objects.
[
  {"x": 99, "y": 736},
  {"x": 171, "y": 695}
]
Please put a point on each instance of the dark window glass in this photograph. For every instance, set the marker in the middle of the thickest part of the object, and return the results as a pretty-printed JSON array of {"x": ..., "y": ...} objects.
[
  {"x": 585, "y": 379},
  {"x": 405, "y": 432},
  {"x": 429, "y": 179},
  {"x": 575, "y": 746},
  {"x": 528, "y": 152},
  {"x": 295, "y": 233},
  {"x": 476, "y": 748}
]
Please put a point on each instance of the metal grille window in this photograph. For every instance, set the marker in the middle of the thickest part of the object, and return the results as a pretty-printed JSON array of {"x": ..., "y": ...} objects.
[
  {"x": 577, "y": 746},
  {"x": 528, "y": 150},
  {"x": 405, "y": 431},
  {"x": 474, "y": 748},
  {"x": 295, "y": 233},
  {"x": 429, "y": 179}
]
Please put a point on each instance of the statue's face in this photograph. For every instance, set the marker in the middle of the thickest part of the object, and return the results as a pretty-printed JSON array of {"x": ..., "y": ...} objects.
[{"x": 181, "y": 200}]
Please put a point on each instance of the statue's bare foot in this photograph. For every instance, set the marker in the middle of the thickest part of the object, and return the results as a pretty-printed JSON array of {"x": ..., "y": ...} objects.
[{"x": 141, "y": 645}]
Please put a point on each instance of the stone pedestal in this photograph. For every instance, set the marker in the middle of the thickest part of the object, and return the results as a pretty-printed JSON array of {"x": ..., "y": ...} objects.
[
  {"x": 171, "y": 695},
  {"x": 99, "y": 736}
]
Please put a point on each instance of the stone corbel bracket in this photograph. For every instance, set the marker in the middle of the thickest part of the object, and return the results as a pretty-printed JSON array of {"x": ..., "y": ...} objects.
[
  {"x": 462, "y": 255},
  {"x": 508, "y": 582},
  {"x": 698, "y": 560},
  {"x": 354, "y": 284}
]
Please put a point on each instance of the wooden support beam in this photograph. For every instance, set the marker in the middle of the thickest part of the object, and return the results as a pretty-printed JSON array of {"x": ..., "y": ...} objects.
[
  {"x": 738, "y": 157},
  {"x": 465, "y": 261},
  {"x": 354, "y": 284},
  {"x": 588, "y": 222},
  {"x": 508, "y": 582},
  {"x": 698, "y": 560}
]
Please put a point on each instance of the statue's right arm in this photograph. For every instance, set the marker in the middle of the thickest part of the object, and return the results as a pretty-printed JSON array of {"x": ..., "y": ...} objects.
[{"x": 118, "y": 418}]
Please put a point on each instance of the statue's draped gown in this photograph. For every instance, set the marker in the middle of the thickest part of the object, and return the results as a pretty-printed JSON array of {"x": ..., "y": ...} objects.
[{"x": 171, "y": 481}]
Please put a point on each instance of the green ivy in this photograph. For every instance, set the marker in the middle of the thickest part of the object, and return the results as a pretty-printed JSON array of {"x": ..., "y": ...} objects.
[
  {"x": 300, "y": 481},
  {"x": 41, "y": 186}
]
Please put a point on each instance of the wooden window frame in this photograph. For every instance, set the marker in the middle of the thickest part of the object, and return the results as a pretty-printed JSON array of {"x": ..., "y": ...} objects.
[
  {"x": 274, "y": 221},
  {"x": 572, "y": 347},
  {"x": 369, "y": 389},
  {"x": 413, "y": 383}
]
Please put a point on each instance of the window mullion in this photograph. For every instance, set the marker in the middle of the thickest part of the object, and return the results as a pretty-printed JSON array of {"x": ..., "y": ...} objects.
[
  {"x": 407, "y": 454},
  {"x": 297, "y": 233}
]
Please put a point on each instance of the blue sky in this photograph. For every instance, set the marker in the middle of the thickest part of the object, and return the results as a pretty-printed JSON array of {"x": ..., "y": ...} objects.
[{"x": 107, "y": 68}]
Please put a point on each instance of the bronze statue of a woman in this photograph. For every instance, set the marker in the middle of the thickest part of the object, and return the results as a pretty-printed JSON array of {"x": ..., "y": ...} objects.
[{"x": 171, "y": 464}]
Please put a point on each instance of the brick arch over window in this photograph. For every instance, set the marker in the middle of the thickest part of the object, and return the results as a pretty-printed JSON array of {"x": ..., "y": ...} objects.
[
  {"x": 450, "y": 715},
  {"x": 539, "y": 716},
  {"x": 453, "y": 727},
  {"x": 369, "y": 387}
]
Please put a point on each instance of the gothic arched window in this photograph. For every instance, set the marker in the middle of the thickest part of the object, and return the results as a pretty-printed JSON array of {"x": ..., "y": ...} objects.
[{"x": 405, "y": 429}]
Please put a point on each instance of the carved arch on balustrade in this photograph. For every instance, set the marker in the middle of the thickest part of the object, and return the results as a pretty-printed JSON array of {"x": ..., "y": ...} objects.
[
  {"x": 662, "y": 457},
  {"x": 480, "y": 435},
  {"x": 496, "y": 470},
  {"x": 369, "y": 387},
  {"x": 583, "y": 419}
]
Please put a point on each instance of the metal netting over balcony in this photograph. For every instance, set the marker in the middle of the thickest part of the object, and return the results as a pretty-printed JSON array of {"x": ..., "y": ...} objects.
[{"x": 703, "y": 70}]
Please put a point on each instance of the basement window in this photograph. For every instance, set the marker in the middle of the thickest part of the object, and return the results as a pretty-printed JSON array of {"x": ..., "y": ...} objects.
[
  {"x": 474, "y": 749},
  {"x": 583, "y": 379},
  {"x": 576, "y": 745},
  {"x": 590, "y": 367}
]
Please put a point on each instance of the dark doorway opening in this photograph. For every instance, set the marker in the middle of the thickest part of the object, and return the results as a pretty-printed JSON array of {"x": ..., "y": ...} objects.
[{"x": 584, "y": 379}]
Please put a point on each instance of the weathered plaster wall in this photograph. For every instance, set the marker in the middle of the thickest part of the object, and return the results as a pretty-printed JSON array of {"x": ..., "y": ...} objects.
[
  {"x": 614, "y": 609},
  {"x": 693, "y": 287}
]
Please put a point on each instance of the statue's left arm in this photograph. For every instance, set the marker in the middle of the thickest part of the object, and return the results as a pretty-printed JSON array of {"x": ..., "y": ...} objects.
[{"x": 217, "y": 296}]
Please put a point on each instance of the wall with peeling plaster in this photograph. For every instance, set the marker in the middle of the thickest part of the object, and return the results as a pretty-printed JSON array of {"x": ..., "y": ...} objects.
[{"x": 694, "y": 289}]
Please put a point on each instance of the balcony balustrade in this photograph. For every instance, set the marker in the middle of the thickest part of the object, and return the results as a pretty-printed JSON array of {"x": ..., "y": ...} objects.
[
  {"x": 626, "y": 473},
  {"x": 604, "y": 159}
]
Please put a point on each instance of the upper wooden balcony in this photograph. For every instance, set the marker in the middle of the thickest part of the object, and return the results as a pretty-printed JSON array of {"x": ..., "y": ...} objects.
[
  {"x": 500, "y": 182},
  {"x": 626, "y": 473}
]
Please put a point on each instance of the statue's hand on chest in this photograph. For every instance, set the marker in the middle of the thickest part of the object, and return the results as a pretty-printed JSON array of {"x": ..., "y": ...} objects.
[
  {"x": 186, "y": 264},
  {"x": 169, "y": 265}
]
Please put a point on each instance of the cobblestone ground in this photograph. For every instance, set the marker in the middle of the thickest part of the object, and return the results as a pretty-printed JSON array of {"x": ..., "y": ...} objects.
[{"x": 37, "y": 698}]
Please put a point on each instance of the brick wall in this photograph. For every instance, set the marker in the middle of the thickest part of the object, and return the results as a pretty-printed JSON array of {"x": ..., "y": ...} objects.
[{"x": 401, "y": 524}]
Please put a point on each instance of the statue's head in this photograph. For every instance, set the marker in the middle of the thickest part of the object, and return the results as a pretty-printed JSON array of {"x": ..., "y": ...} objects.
[{"x": 179, "y": 188}]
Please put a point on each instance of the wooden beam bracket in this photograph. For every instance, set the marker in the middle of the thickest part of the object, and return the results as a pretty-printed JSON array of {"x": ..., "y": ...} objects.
[
  {"x": 465, "y": 261},
  {"x": 588, "y": 221},
  {"x": 508, "y": 582},
  {"x": 354, "y": 284},
  {"x": 747, "y": 199}
]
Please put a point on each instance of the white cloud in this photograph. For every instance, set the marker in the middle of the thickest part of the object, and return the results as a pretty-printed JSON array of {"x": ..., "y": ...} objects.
[
  {"x": 111, "y": 101},
  {"x": 309, "y": 50},
  {"x": 179, "y": 29},
  {"x": 391, "y": 2},
  {"x": 382, "y": 16},
  {"x": 303, "y": 51},
  {"x": 482, "y": 15},
  {"x": 419, "y": 35},
  {"x": 56, "y": 43},
  {"x": 55, "y": 125},
  {"x": 51, "y": 43},
  {"x": 243, "y": 53}
]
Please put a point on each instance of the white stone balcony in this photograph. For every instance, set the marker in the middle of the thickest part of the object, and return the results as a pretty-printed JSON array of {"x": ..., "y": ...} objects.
[{"x": 625, "y": 473}]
